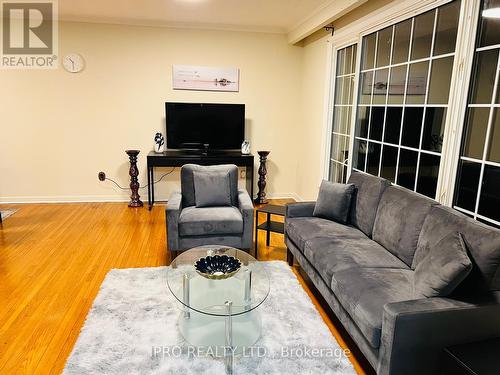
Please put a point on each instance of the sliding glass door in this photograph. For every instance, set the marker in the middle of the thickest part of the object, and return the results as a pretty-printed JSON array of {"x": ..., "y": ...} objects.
[
  {"x": 403, "y": 95},
  {"x": 342, "y": 113},
  {"x": 477, "y": 191}
]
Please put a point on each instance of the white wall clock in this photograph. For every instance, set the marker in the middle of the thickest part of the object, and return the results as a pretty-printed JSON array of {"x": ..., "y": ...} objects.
[{"x": 73, "y": 63}]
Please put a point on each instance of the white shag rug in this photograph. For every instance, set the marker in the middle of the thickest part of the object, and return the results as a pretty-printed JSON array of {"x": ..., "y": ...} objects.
[{"x": 134, "y": 314}]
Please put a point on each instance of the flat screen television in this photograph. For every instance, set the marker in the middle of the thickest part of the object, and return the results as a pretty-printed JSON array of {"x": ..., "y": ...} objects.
[{"x": 193, "y": 125}]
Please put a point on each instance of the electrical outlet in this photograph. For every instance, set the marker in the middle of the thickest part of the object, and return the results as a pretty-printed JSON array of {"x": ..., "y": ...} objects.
[
  {"x": 101, "y": 176},
  {"x": 242, "y": 173}
]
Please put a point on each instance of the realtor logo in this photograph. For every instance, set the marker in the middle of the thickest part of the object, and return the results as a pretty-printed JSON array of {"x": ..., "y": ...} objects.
[{"x": 29, "y": 34}]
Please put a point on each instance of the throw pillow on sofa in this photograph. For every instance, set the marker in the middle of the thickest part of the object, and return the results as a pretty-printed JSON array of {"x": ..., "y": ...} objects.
[
  {"x": 445, "y": 266},
  {"x": 212, "y": 189},
  {"x": 334, "y": 201}
]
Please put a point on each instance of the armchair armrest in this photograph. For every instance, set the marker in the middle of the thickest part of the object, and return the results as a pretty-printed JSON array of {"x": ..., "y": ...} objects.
[
  {"x": 300, "y": 209},
  {"x": 414, "y": 333},
  {"x": 245, "y": 205},
  {"x": 172, "y": 212}
]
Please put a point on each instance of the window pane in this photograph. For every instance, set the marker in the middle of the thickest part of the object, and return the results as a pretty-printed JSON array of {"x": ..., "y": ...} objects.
[
  {"x": 384, "y": 46},
  {"x": 368, "y": 57},
  {"x": 334, "y": 172},
  {"x": 477, "y": 123},
  {"x": 489, "y": 203},
  {"x": 467, "y": 184},
  {"x": 342, "y": 93},
  {"x": 490, "y": 28},
  {"x": 389, "y": 160},
  {"x": 339, "y": 90},
  {"x": 380, "y": 86},
  {"x": 337, "y": 119},
  {"x": 345, "y": 127},
  {"x": 484, "y": 76},
  {"x": 349, "y": 81},
  {"x": 348, "y": 60},
  {"x": 341, "y": 61},
  {"x": 354, "y": 54},
  {"x": 407, "y": 168},
  {"x": 494, "y": 148},
  {"x": 397, "y": 85},
  {"x": 433, "y": 129},
  {"x": 373, "y": 158},
  {"x": 412, "y": 126},
  {"x": 422, "y": 35},
  {"x": 401, "y": 42},
  {"x": 362, "y": 122},
  {"x": 428, "y": 175},
  {"x": 439, "y": 86},
  {"x": 393, "y": 124},
  {"x": 334, "y": 148},
  {"x": 417, "y": 83},
  {"x": 446, "y": 28},
  {"x": 343, "y": 149},
  {"x": 377, "y": 123},
  {"x": 359, "y": 154},
  {"x": 366, "y": 87}
]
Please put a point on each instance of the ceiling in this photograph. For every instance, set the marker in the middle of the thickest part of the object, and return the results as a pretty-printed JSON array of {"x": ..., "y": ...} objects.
[{"x": 280, "y": 16}]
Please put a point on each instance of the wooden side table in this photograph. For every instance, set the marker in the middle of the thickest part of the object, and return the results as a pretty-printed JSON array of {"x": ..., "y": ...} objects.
[{"x": 269, "y": 225}]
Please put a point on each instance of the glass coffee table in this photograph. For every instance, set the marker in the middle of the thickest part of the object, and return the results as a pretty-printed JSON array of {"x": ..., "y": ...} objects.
[{"x": 219, "y": 316}]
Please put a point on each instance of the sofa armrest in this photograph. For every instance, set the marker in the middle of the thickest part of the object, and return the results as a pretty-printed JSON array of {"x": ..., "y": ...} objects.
[
  {"x": 172, "y": 212},
  {"x": 300, "y": 209},
  {"x": 414, "y": 333},
  {"x": 246, "y": 207}
]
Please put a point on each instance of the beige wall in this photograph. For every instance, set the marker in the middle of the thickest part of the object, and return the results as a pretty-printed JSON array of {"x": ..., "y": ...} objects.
[
  {"x": 311, "y": 133},
  {"x": 315, "y": 80},
  {"x": 59, "y": 129}
]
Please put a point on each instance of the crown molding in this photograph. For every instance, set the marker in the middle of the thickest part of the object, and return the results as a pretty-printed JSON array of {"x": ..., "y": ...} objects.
[
  {"x": 322, "y": 16},
  {"x": 173, "y": 25}
]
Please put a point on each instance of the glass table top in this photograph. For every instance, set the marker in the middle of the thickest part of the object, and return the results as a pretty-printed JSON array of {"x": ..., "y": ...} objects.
[{"x": 246, "y": 290}]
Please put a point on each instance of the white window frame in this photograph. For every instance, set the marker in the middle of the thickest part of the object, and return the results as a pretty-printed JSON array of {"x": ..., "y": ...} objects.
[
  {"x": 462, "y": 66},
  {"x": 334, "y": 47}
]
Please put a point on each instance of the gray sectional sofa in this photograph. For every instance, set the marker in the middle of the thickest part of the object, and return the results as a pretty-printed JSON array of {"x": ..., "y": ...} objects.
[{"x": 365, "y": 269}]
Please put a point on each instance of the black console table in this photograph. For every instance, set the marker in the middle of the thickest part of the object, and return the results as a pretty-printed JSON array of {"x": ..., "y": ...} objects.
[{"x": 175, "y": 158}]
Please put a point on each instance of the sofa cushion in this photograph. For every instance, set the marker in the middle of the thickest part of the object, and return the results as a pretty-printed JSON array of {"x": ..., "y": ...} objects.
[
  {"x": 363, "y": 292},
  {"x": 334, "y": 201},
  {"x": 329, "y": 255},
  {"x": 201, "y": 221},
  {"x": 443, "y": 269},
  {"x": 212, "y": 189},
  {"x": 400, "y": 216},
  {"x": 365, "y": 200},
  {"x": 483, "y": 244},
  {"x": 302, "y": 229}
]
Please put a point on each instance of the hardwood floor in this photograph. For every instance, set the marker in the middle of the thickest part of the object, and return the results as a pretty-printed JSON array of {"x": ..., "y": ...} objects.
[{"x": 53, "y": 259}]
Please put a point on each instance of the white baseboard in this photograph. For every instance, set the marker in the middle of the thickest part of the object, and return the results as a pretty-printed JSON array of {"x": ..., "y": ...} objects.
[
  {"x": 65, "y": 199},
  {"x": 108, "y": 198}
]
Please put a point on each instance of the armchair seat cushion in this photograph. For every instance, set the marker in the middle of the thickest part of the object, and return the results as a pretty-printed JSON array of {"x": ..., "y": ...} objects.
[
  {"x": 363, "y": 292},
  {"x": 202, "y": 221}
]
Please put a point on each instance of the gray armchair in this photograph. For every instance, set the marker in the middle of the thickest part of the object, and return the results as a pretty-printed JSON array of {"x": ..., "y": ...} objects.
[{"x": 189, "y": 226}]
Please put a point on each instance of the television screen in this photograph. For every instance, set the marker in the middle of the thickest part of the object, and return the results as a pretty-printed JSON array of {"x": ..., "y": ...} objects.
[{"x": 191, "y": 125}]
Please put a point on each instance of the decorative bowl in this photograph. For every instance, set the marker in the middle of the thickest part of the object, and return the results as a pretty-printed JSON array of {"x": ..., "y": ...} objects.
[{"x": 217, "y": 267}]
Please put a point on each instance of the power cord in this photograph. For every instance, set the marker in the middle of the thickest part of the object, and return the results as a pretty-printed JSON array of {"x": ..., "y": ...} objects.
[{"x": 141, "y": 187}]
